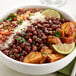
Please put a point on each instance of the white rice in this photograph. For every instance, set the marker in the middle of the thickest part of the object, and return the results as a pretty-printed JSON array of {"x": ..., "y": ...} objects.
[
  {"x": 37, "y": 16},
  {"x": 17, "y": 29}
]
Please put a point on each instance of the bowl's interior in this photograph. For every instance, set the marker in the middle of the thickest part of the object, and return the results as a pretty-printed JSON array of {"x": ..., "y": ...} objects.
[{"x": 64, "y": 14}]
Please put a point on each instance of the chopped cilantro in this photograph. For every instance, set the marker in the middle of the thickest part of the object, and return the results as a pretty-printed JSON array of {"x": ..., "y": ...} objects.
[
  {"x": 12, "y": 15},
  {"x": 10, "y": 18},
  {"x": 64, "y": 31},
  {"x": 25, "y": 34},
  {"x": 57, "y": 33},
  {"x": 35, "y": 38},
  {"x": 19, "y": 38},
  {"x": 43, "y": 53},
  {"x": 20, "y": 21},
  {"x": 43, "y": 25},
  {"x": 18, "y": 54},
  {"x": 13, "y": 53},
  {"x": 22, "y": 39}
]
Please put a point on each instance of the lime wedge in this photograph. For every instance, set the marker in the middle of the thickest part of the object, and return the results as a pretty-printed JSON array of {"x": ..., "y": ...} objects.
[
  {"x": 51, "y": 13},
  {"x": 64, "y": 48}
]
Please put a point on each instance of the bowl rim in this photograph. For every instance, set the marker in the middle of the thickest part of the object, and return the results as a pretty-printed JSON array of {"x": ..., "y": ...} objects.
[{"x": 37, "y": 5}]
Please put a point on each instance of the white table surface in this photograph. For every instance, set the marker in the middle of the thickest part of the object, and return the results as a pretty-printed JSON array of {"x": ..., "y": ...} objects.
[{"x": 70, "y": 7}]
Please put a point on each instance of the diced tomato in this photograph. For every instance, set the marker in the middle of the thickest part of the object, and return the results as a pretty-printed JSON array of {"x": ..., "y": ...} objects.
[
  {"x": 23, "y": 17},
  {"x": 6, "y": 32},
  {"x": 14, "y": 19}
]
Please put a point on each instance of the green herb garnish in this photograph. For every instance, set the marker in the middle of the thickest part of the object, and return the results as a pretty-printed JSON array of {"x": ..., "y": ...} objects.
[
  {"x": 25, "y": 34},
  {"x": 64, "y": 31},
  {"x": 18, "y": 54},
  {"x": 19, "y": 38},
  {"x": 20, "y": 21},
  {"x": 13, "y": 53},
  {"x": 57, "y": 34},
  {"x": 10, "y": 18},
  {"x": 43, "y": 25},
  {"x": 22, "y": 39},
  {"x": 43, "y": 53},
  {"x": 35, "y": 38}
]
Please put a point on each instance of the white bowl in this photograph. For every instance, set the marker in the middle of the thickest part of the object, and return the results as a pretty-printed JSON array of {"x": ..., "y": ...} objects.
[{"x": 38, "y": 69}]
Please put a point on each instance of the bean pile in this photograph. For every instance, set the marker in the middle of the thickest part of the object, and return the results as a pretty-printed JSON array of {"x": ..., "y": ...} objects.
[
  {"x": 8, "y": 24},
  {"x": 32, "y": 39}
]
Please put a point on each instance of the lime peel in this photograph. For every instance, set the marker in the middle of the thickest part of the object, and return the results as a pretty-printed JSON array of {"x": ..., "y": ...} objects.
[
  {"x": 64, "y": 48},
  {"x": 51, "y": 13}
]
